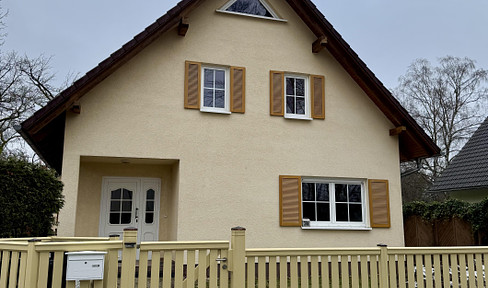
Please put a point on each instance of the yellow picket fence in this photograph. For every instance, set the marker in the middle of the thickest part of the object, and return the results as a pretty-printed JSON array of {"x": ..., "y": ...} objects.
[{"x": 228, "y": 264}]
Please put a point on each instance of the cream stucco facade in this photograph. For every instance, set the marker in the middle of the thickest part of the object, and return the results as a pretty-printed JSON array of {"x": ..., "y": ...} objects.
[{"x": 218, "y": 171}]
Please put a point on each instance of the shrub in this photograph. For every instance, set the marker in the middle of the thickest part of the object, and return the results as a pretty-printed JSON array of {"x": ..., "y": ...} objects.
[{"x": 30, "y": 196}]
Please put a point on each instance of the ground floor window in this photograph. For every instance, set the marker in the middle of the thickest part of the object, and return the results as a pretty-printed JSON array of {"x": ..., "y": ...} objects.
[{"x": 333, "y": 203}]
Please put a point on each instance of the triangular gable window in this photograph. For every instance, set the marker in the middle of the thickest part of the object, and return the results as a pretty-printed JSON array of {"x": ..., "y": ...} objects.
[{"x": 256, "y": 8}]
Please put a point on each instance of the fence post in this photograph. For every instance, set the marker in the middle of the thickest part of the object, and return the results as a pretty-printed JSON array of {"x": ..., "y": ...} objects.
[
  {"x": 383, "y": 265},
  {"x": 32, "y": 266},
  {"x": 237, "y": 257},
  {"x": 129, "y": 252}
]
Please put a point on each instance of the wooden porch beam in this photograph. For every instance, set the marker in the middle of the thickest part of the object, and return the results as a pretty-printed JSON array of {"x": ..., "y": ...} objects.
[
  {"x": 319, "y": 44},
  {"x": 397, "y": 130},
  {"x": 183, "y": 26}
]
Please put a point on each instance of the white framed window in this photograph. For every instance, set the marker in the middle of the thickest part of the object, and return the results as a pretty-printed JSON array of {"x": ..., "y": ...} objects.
[
  {"x": 252, "y": 8},
  {"x": 215, "y": 89},
  {"x": 297, "y": 97},
  {"x": 329, "y": 203}
]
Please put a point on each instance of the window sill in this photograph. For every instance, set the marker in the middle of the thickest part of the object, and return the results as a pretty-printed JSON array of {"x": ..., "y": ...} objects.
[
  {"x": 215, "y": 111},
  {"x": 298, "y": 117},
  {"x": 339, "y": 228}
]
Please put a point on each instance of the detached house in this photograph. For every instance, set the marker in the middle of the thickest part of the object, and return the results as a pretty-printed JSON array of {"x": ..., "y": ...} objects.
[{"x": 223, "y": 113}]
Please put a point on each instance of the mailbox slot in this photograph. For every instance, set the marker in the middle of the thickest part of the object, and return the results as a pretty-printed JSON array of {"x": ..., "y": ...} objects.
[{"x": 85, "y": 265}]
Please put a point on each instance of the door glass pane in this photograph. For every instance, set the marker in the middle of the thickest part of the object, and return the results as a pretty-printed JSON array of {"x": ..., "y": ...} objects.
[
  {"x": 114, "y": 218},
  {"x": 127, "y": 194},
  {"x": 149, "y": 206},
  {"x": 126, "y": 206},
  {"x": 150, "y": 194},
  {"x": 149, "y": 218},
  {"x": 114, "y": 205},
  {"x": 125, "y": 219},
  {"x": 115, "y": 194}
]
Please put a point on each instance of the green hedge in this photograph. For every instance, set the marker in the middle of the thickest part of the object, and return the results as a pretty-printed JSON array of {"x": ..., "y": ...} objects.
[
  {"x": 30, "y": 196},
  {"x": 474, "y": 213}
]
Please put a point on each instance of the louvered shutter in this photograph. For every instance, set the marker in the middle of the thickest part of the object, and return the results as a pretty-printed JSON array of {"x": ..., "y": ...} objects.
[
  {"x": 237, "y": 89},
  {"x": 276, "y": 93},
  {"x": 379, "y": 203},
  {"x": 192, "y": 85},
  {"x": 290, "y": 206},
  {"x": 318, "y": 96}
]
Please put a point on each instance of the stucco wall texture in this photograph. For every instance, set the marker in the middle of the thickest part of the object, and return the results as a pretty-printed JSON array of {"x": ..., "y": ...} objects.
[{"x": 228, "y": 165}]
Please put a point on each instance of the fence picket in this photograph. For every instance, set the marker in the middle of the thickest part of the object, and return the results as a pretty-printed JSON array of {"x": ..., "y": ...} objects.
[
  {"x": 304, "y": 271},
  {"x": 22, "y": 269},
  {"x": 334, "y": 270},
  {"x": 190, "y": 270},
  {"x": 43, "y": 270},
  {"x": 437, "y": 269},
  {"x": 155, "y": 266},
  {"x": 479, "y": 270},
  {"x": 345, "y": 271},
  {"x": 373, "y": 266},
  {"x": 213, "y": 268},
  {"x": 471, "y": 279},
  {"x": 462, "y": 270},
  {"x": 261, "y": 272},
  {"x": 57, "y": 279},
  {"x": 454, "y": 269},
  {"x": 363, "y": 262},
  {"x": 4, "y": 269},
  {"x": 392, "y": 270},
  {"x": 293, "y": 272},
  {"x": 179, "y": 269},
  {"x": 224, "y": 272},
  {"x": 445, "y": 271},
  {"x": 142, "y": 281},
  {"x": 272, "y": 272},
  {"x": 251, "y": 273},
  {"x": 314, "y": 273},
  {"x": 283, "y": 271},
  {"x": 167, "y": 268},
  {"x": 14, "y": 264},
  {"x": 428, "y": 271},
  {"x": 402, "y": 264}
]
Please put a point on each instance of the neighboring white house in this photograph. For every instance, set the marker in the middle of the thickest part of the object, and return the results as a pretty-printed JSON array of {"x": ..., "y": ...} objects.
[{"x": 223, "y": 113}]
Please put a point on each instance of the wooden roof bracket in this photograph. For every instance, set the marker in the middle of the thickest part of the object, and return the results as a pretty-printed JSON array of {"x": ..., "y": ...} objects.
[
  {"x": 183, "y": 26},
  {"x": 397, "y": 130},
  {"x": 319, "y": 44},
  {"x": 76, "y": 107}
]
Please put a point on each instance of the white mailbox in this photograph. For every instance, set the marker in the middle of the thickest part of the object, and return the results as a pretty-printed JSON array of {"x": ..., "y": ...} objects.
[{"x": 85, "y": 265}]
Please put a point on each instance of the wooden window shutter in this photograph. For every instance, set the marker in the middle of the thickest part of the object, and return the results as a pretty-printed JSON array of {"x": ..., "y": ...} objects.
[
  {"x": 277, "y": 82},
  {"x": 237, "y": 89},
  {"x": 318, "y": 96},
  {"x": 290, "y": 201},
  {"x": 192, "y": 85},
  {"x": 379, "y": 203}
]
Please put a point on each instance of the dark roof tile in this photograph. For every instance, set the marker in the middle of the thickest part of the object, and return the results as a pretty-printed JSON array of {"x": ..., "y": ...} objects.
[{"x": 469, "y": 168}]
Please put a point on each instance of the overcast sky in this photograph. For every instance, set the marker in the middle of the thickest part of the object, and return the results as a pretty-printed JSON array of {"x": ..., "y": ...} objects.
[{"x": 386, "y": 34}]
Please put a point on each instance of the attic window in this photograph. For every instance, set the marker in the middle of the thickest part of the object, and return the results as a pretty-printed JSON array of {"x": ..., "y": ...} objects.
[{"x": 254, "y": 8}]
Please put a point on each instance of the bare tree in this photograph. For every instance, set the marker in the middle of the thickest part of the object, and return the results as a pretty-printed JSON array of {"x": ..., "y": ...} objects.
[
  {"x": 26, "y": 84},
  {"x": 448, "y": 101}
]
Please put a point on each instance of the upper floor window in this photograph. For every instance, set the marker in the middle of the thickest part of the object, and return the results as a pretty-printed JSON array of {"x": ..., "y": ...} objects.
[
  {"x": 297, "y": 97},
  {"x": 215, "y": 96},
  {"x": 212, "y": 88},
  {"x": 255, "y": 8}
]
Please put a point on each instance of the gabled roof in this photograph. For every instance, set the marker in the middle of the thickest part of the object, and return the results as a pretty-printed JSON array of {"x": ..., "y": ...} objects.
[
  {"x": 44, "y": 130},
  {"x": 469, "y": 168}
]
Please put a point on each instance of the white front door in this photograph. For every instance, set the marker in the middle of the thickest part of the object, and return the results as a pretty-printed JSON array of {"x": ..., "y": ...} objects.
[{"x": 130, "y": 202}]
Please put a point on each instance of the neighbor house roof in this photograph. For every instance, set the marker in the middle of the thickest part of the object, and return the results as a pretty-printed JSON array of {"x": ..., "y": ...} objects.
[
  {"x": 468, "y": 170},
  {"x": 44, "y": 130}
]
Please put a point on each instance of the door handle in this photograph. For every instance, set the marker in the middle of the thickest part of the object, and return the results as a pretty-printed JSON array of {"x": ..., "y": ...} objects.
[{"x": 137, "y": 215}]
